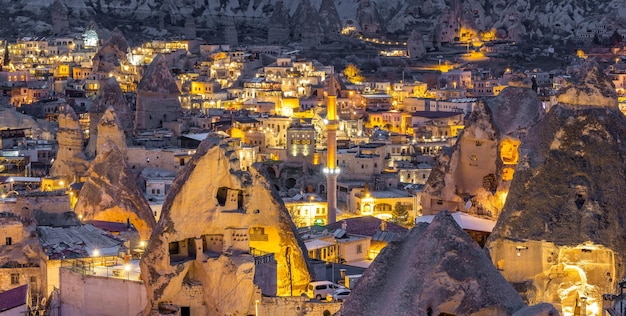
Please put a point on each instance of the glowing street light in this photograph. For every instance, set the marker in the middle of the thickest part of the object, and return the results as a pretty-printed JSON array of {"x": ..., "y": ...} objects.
[
  {"x": 127, "y": 268},
  {"x": 256, "y": 307}
]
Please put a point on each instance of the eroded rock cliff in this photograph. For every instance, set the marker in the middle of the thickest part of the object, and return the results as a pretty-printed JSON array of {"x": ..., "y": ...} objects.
[
  {"x": 559, "y": 236},
  {"x": 225, "y": 234},
  {"x": 435, "y": 269},
  {"x": 475, "y": 174},
  {"x": 111, "y": 193},
  {"x": 70, "y": 162}
]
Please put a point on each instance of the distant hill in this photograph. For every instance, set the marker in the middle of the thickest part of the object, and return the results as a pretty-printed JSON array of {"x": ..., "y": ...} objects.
[{"x": 437, "y": 20}]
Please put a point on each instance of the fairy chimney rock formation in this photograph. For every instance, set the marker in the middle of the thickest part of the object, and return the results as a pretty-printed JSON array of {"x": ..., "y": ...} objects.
[
  {"x": 329, "y": 17},
  {"x": 475, "y": 175},
  {"x": 60, "y": 20},
  {"x": 217, "y": 223},
  {"x": 109, "y": 130},
  {"x": 111, "y": 55},
  {"x": 112, "y": 194},
  {"x": 109, "y": 95},
  {"x": 435, "y": 269},
  {"x": 415, "y": 45},
  {"x": 157, "y": 97},
  {"x": 278, "y": 30},
  {"x": 306, "y": 24},
  {"x": 559, "y": 235},
  {"x": 589, "y": 86},
  {"x": 70, "y": 163}
]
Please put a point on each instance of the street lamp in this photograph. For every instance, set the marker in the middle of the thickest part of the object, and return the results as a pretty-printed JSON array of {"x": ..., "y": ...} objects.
[
  {"x": 127, "y": 268},
  {"x": 256, "y": 308}
]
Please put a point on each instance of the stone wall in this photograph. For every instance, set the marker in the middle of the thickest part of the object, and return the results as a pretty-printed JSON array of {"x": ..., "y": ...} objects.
[
  {"x": 295, "y": 306},
  {"x": 48, "y": 202},
  {"x": 139, "y": 158},
  {"x": 24, "y": 276},
  {"x": 92, "y": 295},
  {"x": 11, "y": 228},
  {"x": 265, "y": 274}
]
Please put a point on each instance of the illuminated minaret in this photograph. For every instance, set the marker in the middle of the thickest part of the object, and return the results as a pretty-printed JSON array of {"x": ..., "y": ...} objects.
[{"x": 331, "y": 169}]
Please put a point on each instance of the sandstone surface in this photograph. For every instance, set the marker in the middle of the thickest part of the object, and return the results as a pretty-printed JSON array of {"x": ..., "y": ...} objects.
[
  {"x": 111, "y": 55},
  {"x": 109, "y": 131},
  {"x": 70, "y": 162},
  {"x": 219, "y": 227},
  {"x": 559, "y": 236},
  {"x": 109, "y": 95},
  {"x": 111, "y": 193},
  {"x": 157, "y": 97},
  {"x": 475, "y": 174},
  {"x": 415, "y": 45},
  {"x": 589, "y": 86},
  {"x": 554, "y": 20},
  {"x": 435, "y": 269},
  {"x": 279, "y": 29}
]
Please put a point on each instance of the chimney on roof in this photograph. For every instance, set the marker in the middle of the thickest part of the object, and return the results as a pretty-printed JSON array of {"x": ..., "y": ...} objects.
[
  {"x": 383, "y": 225},
  {"x": 344, "y": 225}
]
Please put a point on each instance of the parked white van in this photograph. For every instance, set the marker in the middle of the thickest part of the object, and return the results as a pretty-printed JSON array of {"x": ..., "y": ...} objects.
[{"x": 319, "y": 290}]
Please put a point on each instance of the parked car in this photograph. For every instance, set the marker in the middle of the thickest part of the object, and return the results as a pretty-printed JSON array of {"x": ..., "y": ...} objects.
[
  {"x": 319, "y": 290},
  {"x": 338, "y": 295}
]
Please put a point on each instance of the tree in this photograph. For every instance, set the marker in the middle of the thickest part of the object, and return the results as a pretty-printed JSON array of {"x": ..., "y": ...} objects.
[
  {"x": 400, "y": 213},
  {"x": 596, "y": 39},
  {"x": 353, "y": 73},
  {"x": 616, "y": 39},
  {"x": 296, "y": 217}
]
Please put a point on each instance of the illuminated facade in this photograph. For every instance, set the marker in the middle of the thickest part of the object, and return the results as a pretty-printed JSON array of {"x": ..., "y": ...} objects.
[
  {"x": 381, "y": 204},
  {"x": 300, "y": 143},
  {"x": 307, "y": 210}
]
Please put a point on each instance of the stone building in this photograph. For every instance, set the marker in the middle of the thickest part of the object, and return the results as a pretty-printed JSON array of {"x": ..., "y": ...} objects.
[
  {"x": 157, "y": 97},
  {"x": 300, "y": 143}
]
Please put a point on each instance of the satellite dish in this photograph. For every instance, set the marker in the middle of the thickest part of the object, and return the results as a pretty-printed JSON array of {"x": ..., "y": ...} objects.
[{"x": 468, "y": 204}]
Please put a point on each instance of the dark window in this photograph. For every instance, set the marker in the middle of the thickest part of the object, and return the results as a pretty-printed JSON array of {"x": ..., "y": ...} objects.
[
  {"x": 174, "y": 249},
  {"x": 221, "y": 195},
  {"x": 15, "y": 278},
  {"x": 9, "y": 241},
  {"x": 185, "y": 311}
]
